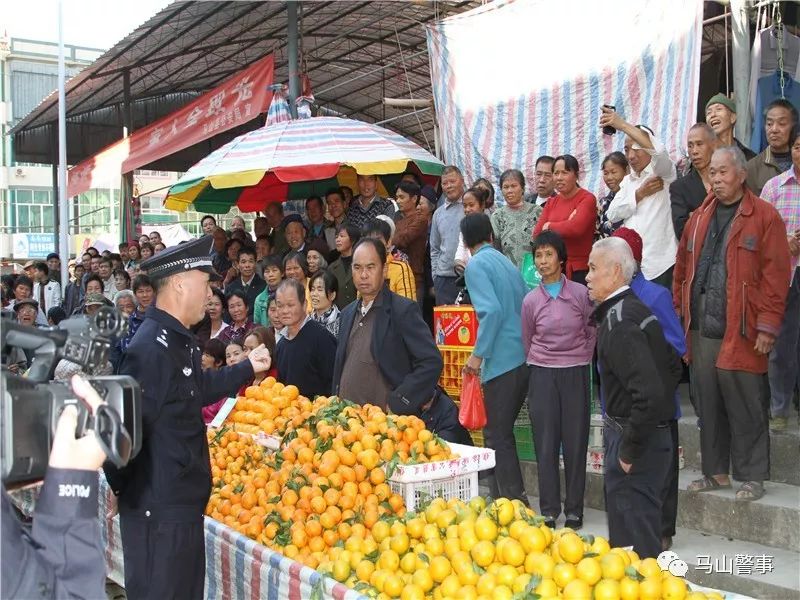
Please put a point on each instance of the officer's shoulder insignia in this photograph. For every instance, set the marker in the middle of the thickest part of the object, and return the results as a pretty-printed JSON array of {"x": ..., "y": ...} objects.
[
  {"x": 161, "y": 338},
  {"x": 187, "y": 371}
]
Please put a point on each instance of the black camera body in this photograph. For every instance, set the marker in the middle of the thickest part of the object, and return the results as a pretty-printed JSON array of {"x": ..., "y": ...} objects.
[{"x": 31, "y": 405}]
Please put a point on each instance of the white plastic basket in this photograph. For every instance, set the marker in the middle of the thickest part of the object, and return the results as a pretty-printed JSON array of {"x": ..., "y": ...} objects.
[
  {"x": 455, "y": 478},
  {"x": 463, "y": 487},
  {"x": 470, "y": 460}
]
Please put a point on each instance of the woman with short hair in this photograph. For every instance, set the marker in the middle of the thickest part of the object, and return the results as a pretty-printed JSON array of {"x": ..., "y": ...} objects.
[
  {"x": 513, "y": 222},
  {"x": 474, "y": 201},
  {"x": 615, "y": 167},
  {"x": 346, "y": 238},
  {"x": 322, "y": 288},
  {"x": 146, "y": 250},
  {"x": 316, "y": 261},
  {"x": 132, "y": 264},
  {"x": 559, "y": 339},
  {"x": 572, "y": 214},
  {"x": 240, "y": 325},
  {"x": 295, "y": 266},
  {"x": 215, "y": 309}
]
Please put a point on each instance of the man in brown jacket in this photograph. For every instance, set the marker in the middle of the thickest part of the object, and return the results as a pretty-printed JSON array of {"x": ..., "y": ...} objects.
[
  {"x": 779, "y": 123},
  {"x": 730, "y": 286},
  {"x": 411, "y": 232}
]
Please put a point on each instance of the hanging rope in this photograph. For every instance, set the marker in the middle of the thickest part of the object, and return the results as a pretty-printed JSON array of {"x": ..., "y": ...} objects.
[
  {"x": 410, "y": 91},
  {"x": 778, "y": 21}
]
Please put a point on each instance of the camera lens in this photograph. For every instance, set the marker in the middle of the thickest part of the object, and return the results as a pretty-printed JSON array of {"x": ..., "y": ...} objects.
[{"x": 107, "y": 322}]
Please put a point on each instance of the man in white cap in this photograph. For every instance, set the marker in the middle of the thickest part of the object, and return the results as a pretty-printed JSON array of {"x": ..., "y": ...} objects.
[{"x": 643, "y": 201}]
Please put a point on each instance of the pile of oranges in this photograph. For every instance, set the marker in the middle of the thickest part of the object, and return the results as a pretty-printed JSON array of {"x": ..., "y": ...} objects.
[
  {"x": 468, "y": 551},
  {"x": 328, "y": 480},
  {"x": 323, "y": 499},
  {"x": 270, "y": 407}
]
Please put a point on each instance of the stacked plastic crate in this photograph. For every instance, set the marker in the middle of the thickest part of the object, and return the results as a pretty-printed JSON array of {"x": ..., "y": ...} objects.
[{"x": 455, "y": 331}]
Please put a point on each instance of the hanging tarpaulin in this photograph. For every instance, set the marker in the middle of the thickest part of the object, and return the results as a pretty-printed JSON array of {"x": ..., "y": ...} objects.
[
  {"x": 279, "y": 107},
  {"x": 239, "y": 99},
  {"x": 642, "y": 57},
  {"x": 131, "y": 216},
  {"x": 306, "y": 99}
]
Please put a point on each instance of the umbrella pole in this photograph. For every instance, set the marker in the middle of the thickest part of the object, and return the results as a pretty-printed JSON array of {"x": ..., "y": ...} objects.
[{"x": 292, "y": 10}]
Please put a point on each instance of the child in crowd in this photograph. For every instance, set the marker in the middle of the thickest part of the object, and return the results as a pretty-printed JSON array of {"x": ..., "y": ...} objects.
[{"x": 215, "y": 356}]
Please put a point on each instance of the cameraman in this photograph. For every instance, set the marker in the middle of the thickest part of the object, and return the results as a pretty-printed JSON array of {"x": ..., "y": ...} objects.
[{"x": 60, "y": 554}]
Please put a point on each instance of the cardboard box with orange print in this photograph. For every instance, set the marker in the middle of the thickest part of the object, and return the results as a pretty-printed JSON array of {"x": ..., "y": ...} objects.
[{"x": 455, "y": 326}]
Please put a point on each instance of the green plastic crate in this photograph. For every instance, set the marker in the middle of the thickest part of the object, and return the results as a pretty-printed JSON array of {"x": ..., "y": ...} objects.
[
  {"x": 524, "y": 436},
  {"x": 523, "y": 418}
]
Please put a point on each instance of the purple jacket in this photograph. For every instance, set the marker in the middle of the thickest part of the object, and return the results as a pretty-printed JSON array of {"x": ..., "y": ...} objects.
[{"x": 558, "y": 332}]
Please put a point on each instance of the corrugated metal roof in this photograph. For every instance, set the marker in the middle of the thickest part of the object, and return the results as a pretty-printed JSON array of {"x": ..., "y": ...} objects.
[
  {"x": 30, "y": 82},
  {"x": 355, "y": 53}
]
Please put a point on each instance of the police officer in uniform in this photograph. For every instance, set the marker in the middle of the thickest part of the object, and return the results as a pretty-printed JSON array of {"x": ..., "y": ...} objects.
[{"x": 163, "y": 492}]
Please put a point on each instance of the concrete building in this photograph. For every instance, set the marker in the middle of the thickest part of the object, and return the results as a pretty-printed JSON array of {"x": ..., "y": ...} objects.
[{"x": 28, "y": 74}]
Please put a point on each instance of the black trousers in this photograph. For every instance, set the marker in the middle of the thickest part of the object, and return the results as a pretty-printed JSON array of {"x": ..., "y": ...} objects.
[
  {"x": 558, "y": 402},
  {"x": 665, "y": 279},
  {"x": 503, "y": 397},
  {"x": 445, "y": 289},
  {"x": 734, "y": 410},
  {"x": 163, "y": 559},
  {"x": 669, "y": 510},
  {"x": 634, "y": 500}
]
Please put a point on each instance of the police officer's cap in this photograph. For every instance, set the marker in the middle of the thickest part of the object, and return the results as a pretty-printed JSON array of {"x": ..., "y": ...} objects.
[{"x": 182, "y": 258}]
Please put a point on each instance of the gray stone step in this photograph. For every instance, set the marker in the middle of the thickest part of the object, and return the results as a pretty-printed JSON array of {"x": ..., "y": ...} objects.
[
  {"x": 773, "y": 521},
  {"x": 784, "y": 449}
]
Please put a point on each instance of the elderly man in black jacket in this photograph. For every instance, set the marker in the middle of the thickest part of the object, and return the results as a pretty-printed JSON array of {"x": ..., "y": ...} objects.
[
  {"x": 385, "y": 355},
  {"x": 639, "y": 373},
  {"x": 688, "y": 192}
]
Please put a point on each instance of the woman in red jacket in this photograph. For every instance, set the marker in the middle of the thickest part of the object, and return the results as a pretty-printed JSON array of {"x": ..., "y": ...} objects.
[{"x": 572, "y": 215}]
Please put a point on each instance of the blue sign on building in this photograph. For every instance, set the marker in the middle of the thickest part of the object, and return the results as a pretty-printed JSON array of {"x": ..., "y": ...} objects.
[{"x": 33, "y": 245}]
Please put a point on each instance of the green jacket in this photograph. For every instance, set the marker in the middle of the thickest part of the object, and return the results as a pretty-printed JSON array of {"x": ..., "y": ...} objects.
[
  {"x": 761, "y": 169},
  {"x": 260, "y": 305},
  {"x": 344, "y": 277}
]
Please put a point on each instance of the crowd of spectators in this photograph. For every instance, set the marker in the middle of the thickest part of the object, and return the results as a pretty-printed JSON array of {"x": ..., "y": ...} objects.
[{"x": 343, "y": 297}]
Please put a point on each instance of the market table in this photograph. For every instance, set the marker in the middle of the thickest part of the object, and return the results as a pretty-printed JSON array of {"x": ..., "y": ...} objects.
[{"x": 236, "y": 566}]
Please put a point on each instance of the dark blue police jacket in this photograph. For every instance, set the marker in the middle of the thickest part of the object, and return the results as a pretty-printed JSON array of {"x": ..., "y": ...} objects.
[{"x": 171, "y": 476}]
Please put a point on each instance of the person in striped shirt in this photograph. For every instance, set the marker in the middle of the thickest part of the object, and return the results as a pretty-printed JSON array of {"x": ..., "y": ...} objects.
[{"x": 783, "y": 192}]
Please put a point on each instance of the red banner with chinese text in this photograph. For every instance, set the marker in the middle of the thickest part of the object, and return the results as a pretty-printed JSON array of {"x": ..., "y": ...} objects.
[{"x": 235, "y": 102}]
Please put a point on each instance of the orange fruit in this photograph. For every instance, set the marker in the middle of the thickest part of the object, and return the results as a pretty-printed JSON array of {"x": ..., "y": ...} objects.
[{"x": 377, "y": 476}]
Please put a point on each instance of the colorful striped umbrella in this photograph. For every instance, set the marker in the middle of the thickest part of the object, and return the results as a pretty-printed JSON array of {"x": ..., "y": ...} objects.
[{"x": 292, "y": 160}]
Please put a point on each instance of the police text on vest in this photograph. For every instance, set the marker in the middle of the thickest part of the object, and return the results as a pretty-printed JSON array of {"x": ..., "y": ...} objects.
[{"x": 67, "y": 490}]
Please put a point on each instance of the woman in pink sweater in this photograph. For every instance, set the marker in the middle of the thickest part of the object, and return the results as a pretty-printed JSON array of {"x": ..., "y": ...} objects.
[{"x": 572, "y": 215}]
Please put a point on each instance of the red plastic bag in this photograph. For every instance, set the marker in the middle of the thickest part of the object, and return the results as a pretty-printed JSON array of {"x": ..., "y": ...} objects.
[{"x": 472, "y": 413}]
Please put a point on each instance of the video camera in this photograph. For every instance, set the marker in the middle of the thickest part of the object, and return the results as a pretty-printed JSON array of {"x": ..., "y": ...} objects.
[{"x": 31, "y": 404}]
